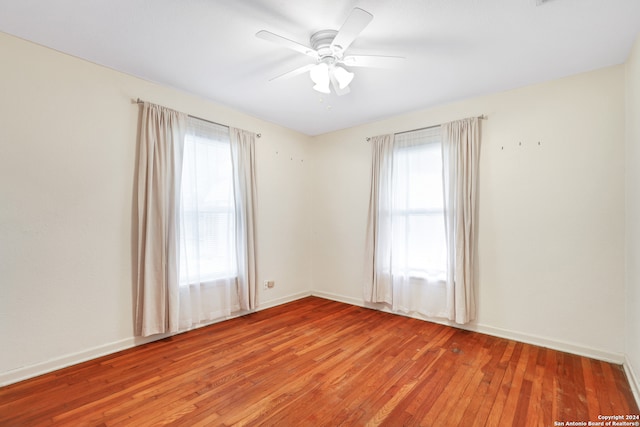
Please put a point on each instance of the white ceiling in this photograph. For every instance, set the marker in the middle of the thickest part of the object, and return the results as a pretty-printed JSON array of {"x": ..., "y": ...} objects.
[{"x": 454, "y": 49}]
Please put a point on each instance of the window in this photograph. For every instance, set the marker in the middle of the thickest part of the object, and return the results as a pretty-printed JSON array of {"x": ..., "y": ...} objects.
[
  {"x": 207, "y": 221},
  {"x": 196, "y": 220},
  {"x": 418, "y": 223},
  {"x": 421, "y": 244}
]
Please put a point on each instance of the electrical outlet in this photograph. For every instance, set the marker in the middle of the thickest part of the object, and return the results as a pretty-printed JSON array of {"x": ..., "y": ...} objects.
[{"x": 268, "y": 284}]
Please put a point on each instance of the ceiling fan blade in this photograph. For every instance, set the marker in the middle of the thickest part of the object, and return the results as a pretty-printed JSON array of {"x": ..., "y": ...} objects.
[
  {"x": 293, "y": 73},
  {"x": 356, "y": 22},
  {"x": 274, "y": 38},
  {"x": 374, "y": 61}
]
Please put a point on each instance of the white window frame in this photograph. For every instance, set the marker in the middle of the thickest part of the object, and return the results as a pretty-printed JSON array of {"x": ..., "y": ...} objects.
[
  {"x": 211, "y": 279},
  {"x": 418, "y": 273}
]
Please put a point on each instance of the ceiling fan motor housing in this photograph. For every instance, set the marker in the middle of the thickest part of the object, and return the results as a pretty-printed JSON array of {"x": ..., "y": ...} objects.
[{"x": 321, "y": 42}]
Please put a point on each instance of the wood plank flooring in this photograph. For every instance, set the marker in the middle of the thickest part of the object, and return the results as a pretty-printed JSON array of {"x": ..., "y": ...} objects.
[{"x": 315, "y": 362}]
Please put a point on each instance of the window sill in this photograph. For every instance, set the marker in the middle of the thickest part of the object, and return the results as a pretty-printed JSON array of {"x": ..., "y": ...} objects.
[{"x": 211, "y": 282}]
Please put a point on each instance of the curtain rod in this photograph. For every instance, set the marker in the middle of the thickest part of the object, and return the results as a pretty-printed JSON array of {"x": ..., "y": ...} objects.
[
  {"x": 481, "y": 117},
  {"x": 140, "y": 101}
]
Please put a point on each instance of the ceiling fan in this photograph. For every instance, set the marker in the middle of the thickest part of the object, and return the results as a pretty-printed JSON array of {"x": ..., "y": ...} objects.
[{"x": 328, "y": 49}]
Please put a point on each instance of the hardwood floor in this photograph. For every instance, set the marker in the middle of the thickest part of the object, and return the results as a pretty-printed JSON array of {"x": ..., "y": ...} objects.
[{"x": 315, "y": 362}]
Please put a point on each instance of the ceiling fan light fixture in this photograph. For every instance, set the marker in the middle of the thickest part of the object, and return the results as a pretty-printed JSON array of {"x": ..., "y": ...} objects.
[
  {"x": 343, "y": 76},
  {"x": 320, "y": 76}
]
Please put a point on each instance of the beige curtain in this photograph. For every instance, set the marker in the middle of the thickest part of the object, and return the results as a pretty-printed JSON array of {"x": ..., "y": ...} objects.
[
  {"x": 162, "y": 133},
  {"x": 461, "y": 157},
  {"x": 244, "y": 183},
  {"x": 378, "y": 280}
]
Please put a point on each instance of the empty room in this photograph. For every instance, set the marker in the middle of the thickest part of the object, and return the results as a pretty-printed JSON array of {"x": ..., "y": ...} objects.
[{"x": 320, "y": 213}]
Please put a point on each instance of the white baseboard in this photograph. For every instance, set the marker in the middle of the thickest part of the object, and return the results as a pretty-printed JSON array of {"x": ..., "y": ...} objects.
[
  {"x": 37, "y": 369},
  {"x": 633, "y": 379},
  {"x": 339, "y": 298},
  {"x": 279, "y": 301},
  {"x": 490, "y": 330},
  {"x": 567, "y": 347}
]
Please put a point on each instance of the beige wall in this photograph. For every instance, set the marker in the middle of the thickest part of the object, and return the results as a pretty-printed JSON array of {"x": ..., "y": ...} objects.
[
  {"x": 67, "y": 155},
  {"x": 551, "y": 229},
  {"x": 633, "y": 216}
]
